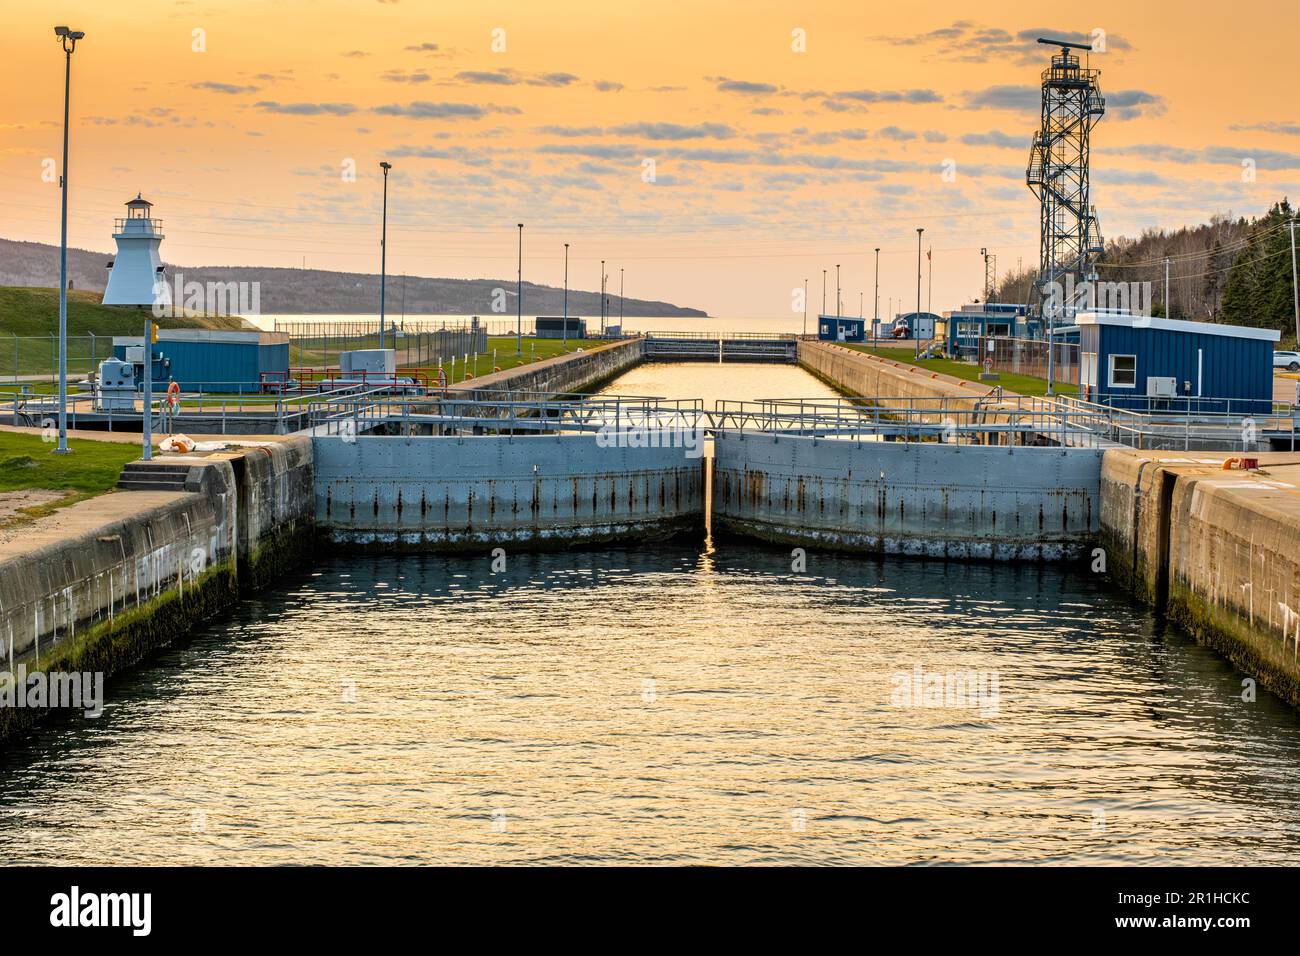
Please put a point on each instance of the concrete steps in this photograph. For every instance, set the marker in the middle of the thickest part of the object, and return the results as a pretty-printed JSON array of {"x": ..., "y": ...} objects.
[{"x": 148, "y": 476}]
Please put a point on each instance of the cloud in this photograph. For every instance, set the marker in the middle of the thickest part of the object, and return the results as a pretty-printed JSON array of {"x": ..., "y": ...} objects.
[
  {"x": 306, "y": 109},
  {"x": 402, "y": 76},
  {"x": 423, "y": 109},
  {"x": 1005, "y": 97},
  {"x": 896, "y": 134},
  {"x": 1283, "y": 129},
  {"x": 608, "y": 86},
  {"x": 231, "y": 88},
  {"x": 889, "y": 96},
  {"x": 970, "y": 42},
  {"x": 1209, "y": 155},
  {"x": 767, "y": 111},
  {"x": 745, "y": 86},
  {"x": 422, "y": 48},
  {"x": 674, "y": 131},
  {"x": 1130, "y": 104},
  {"x": 571, "y": 130},
  {"x": 998, "y": 139},
  {"x": 513, "y": 78},
  {"x": 356, "y": 54}
]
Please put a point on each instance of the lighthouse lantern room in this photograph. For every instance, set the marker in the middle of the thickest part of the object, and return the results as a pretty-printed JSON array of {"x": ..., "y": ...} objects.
[{"x": 136, "y": 277}]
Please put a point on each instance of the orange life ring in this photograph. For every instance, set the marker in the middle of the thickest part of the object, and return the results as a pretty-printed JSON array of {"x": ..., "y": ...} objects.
[{"x": 173, "y": 396}]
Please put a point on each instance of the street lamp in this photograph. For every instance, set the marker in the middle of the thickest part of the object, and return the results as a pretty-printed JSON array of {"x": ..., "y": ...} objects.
[
  {"x": 565, "y": 333},
  {"x": 916, "y": 326},
  {"x": 875, "y": 325},
  {"x": 620, "y": 299},
  {"x": 823, "y": 292},
  {"x": 602, "y": 297},
  {"x": 805, "y": 306},
  {"x": 839, "y": 304},
  {"x": 383, "y": 253},
  {"x": 68, "y": 38},
  {"x": 519, "y": 297}
]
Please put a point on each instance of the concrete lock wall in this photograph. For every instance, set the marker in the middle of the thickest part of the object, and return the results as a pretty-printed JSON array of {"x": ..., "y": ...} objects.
[
  {"x": 276, "y": 502},
  {"x": 960, "y": 501},
  {"x": 100, "y": 572},
  {"x": 104, "y": 582},
  {"x": 859, "y": 373},
  {"x": 1215, "y": 550},
  {"x": 564, "y": 373},
  {"x": 460, "y": 493}
]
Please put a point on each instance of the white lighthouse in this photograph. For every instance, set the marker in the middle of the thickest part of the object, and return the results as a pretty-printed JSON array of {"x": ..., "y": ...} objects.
[{"x": 136, "y": 278}]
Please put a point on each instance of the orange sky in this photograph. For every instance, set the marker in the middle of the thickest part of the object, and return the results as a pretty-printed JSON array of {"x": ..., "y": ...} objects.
[{"x": 770, "y": 164}]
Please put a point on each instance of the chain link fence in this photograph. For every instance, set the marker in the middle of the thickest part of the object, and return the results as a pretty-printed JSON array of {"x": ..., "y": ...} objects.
[
  {"x": 36, "y": 357},
  {"x": 417, "y": 343},
  {"x": 1029, "y": 357}
]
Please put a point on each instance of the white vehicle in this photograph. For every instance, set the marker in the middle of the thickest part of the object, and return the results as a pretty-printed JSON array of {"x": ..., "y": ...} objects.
[{"x": 1287, "y": 360}]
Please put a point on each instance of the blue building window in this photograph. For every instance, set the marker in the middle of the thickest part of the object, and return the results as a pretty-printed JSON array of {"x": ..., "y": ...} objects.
[{"x": 1123, "y": 371}]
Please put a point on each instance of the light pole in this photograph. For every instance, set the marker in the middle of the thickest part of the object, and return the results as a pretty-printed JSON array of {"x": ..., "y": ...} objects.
[
  {"x": 519, "y": 297},
  {"x": 1168, "y": 312},
  {"x": 823, "y": 292},
  {"x": 875, "y": 325},
  {"x": 1295, "y": 288},
  {"x": 839, "y": 302},
  {"x": 602, "y": 296},
  {"x": 383, "y": 253},
  {"x": 620, "y": 300},
  {"x": 860, "y": 297},
  {"x": 566, "y": 298},
  {"x": 916, "y": 326},
  {"x": 805, "y": 306},
  {"x": 69, "y": 40}
]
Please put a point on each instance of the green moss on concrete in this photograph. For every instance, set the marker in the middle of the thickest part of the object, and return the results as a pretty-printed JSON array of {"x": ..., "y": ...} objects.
[
  {"x": 111, "y": 647},
  {"x": 281, "y": 553},
  {"x": 1228, "y": 631}
]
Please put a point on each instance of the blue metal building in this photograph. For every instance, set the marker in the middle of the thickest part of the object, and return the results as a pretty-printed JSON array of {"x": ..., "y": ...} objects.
[
  {"x": 1134, "y": 361},
  {"x": 968, "y": 326},
  {"x": 841, "y": 328},
  {"x": 212, "y": 361}
]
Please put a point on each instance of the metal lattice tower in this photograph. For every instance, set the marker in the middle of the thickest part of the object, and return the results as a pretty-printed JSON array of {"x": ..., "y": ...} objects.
[{"x": 1070, "y": 238}]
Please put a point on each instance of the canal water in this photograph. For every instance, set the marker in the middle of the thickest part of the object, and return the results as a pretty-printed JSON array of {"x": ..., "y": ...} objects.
[{"x": 671, "y": 704}]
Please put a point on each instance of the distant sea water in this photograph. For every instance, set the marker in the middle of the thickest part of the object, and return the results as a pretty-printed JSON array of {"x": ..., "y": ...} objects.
[{"x": 505, "y": 324}]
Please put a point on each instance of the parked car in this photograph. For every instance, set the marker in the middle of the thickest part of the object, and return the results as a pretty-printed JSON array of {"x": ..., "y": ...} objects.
[{"x": 1287, "y": 360}]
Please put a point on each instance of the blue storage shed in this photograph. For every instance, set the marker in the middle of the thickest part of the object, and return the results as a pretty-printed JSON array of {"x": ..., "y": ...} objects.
[
  {"x": 210, "y": 360},
  {"x": 1135, "y": 361},
  {"x": 841, "y": 328}
]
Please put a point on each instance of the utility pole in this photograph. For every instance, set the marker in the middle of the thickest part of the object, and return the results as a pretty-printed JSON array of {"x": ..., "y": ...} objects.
[
  {"x": 68, "y": 39},
  {"x": 929, "y": 271},
  {"x": 1295, "y": 287},
  {"x": 519, "y": 297},
  {"x": 916, "y": 326},
  {"x": 565, "y": 333},
  {"x": 875, "y": 325},
  {"x": 1168, "y": 311},
  {"x": 383, "y": 252}
]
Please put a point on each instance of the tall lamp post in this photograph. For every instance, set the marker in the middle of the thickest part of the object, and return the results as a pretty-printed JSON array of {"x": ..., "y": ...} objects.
[
  {"x": 565, "y": 346},
  {"x": 602, "y": 297},
  {"x": 1295, "y": 287},
  {"x": 805, "y": 306},
  {"x": 875, "y": 325},
  {"x": 916, "y": 328},
  {"x": 69, "y": 40},
  {"x": 383, "y": 253},
  {"x": 839, "y": 305},
  {"x": 823, "y": 292},
  {"x": 519, "y": 297},
  {"x": 620, "y": 299}
]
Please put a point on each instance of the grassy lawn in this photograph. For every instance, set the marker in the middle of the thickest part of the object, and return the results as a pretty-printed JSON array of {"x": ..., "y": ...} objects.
[
  {"x": 1023, "y": 384},
  {"x": 28, "y": 462},
  {"x": 29, "y": 317}
]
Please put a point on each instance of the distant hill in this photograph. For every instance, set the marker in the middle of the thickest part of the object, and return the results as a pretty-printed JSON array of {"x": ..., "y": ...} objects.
[{"x": 321, "y": 291}]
